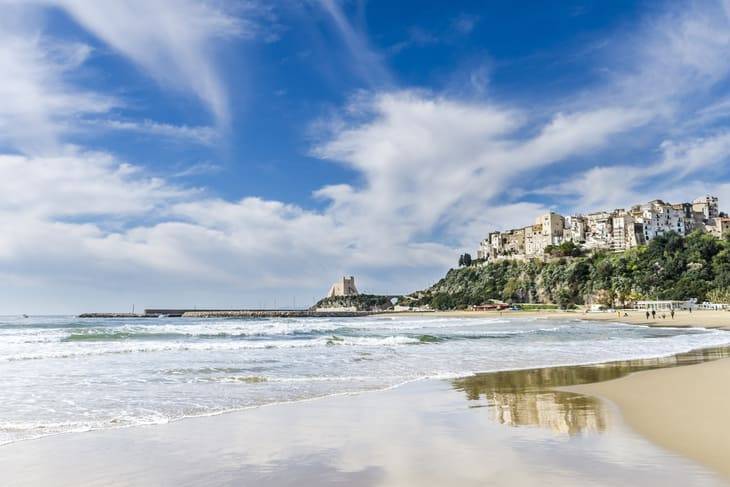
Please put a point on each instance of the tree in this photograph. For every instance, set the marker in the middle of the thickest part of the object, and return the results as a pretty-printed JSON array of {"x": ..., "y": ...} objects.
[
  {"x": 565, "y": 298},
  {"x": 702, "y": 247},
  {"x": 511, "y": 289},
  {"x": 461, "y": 260},
  {"x": 467, "y": 260},
  {"x": 606, "y": 297},
  {"x": 721, "y": 268},
  {"x": 565, "y": 249},
  {"x": 719, "y": 295},
  {"x": 442, "y": 301}
]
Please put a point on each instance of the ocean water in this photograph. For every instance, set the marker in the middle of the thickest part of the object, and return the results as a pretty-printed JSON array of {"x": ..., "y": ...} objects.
[{"x": 60, "y": 374}]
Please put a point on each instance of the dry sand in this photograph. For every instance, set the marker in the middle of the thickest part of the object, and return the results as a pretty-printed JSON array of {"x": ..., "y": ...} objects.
[{"x": 684, "y": 409}]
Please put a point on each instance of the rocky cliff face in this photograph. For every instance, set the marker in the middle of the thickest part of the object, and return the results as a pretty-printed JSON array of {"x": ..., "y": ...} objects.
[{"x": 561, "y": 282}]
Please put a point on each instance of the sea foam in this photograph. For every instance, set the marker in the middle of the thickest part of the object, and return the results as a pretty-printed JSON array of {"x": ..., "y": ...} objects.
[{"x": 65, "y": 374}]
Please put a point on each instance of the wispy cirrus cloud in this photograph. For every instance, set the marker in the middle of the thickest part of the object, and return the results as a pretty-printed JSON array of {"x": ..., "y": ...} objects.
[
  {"x": 173, "y": 42},
  {"x": 39, "y": 104},
  {"x": 199, "y": 134},
  {"x": 464, "y": 23},
  {"x": 679, "y": 74},
  {"x": 367, "y": 62},
  {"x": 42, "y": 104}
]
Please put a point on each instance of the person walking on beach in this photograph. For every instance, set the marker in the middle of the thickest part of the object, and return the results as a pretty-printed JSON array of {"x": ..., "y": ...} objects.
[
  {"x": 647, "y": 315},
  {"x": 672, "y": 314},
  {"x": 653, "y": 314}
]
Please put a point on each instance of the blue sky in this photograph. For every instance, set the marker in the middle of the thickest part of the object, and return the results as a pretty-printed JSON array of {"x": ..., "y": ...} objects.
[{"x": 207, "y": 153}]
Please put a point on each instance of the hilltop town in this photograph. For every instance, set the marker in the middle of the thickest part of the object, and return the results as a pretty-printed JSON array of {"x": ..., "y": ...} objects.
[{"x": 615, "y": 230}]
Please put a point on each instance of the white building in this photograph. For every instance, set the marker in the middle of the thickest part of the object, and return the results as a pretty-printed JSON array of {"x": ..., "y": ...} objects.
[
  {"x": 575, "y": 228},
  {"x": 720, "y": 227},
  {"x": 658, "y": 218},
  {"x": 616, "y": 230},
  {"x": 623, "y": 232},
  {"x": 599, "y": 230},
  {"x": 707, "y": 205}
]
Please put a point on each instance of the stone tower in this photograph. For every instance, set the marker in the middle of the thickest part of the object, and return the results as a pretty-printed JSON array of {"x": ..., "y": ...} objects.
[{"x": 343, "y": 287}]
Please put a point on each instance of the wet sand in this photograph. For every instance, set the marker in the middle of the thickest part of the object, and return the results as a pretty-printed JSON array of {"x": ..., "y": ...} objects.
[
  {"x": 683, "y": 409},
  {"x": 514, "y": 428}
]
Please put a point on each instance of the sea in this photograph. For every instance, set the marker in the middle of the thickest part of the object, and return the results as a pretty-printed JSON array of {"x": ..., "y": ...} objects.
[{"x": 66, "y": 374}]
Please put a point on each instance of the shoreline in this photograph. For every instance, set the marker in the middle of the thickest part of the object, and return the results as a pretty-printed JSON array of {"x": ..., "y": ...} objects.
[
  {"x": 460, "y": 431},
  {"x": 668, "y": 359},
  {"x": 572, "y": 400},
  {"x": 576, "y": 396}
]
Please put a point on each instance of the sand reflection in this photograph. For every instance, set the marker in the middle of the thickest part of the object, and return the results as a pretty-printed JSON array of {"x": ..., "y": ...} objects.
[{"x": 529, "y": 397}]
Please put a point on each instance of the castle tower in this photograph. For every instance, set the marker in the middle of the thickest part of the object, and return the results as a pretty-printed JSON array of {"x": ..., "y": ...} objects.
[{"x": 343, "y": 287}]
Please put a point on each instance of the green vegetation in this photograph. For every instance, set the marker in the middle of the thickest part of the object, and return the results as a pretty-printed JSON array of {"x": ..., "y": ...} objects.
[
  {"x": 537, "y": 307},
  {"x": 565, "y": 249},
  {"x": 362, "y": 302},
  {"x": 669, "y": 267}
]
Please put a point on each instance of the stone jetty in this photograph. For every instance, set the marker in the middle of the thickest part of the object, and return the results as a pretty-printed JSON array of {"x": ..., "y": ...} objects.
[
  {"x": 113, "y": 315},
  {"x": 243, "y": 313},
  {"x": 231, "y": 313}
]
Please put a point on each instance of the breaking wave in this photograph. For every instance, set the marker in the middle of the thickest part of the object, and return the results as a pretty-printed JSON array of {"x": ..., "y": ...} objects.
[{"x": 65, "y": 374}]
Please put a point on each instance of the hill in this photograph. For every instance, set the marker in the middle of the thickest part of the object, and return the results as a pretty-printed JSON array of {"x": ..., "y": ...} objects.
[
  {"x": 670, "y": 267},
  {"x": 360, "y": 302}
]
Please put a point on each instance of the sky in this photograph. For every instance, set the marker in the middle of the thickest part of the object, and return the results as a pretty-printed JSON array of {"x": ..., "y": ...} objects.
[{"x": 230, "y": 154}]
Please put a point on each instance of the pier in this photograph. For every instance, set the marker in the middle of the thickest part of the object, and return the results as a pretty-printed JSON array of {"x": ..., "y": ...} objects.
[{"x": 229, "y": 313}]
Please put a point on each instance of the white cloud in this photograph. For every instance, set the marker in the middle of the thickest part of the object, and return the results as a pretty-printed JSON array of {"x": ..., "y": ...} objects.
[
  {"x": 686, "y": 170},
  {"x": 198, "y": 169},
  {"x": 429, "y": 161},
  {"x": 366, "y": 61},
  {"x": 80, "y": 185},
  {"x": 671, "y": 63},
  {"x": 431, "y": 167},
  {"x": 171, "y": 41},
  {"x": 85, "y": 224},
  {"x": 198, "y": 134},
  {"x": 38, "y": 105}
]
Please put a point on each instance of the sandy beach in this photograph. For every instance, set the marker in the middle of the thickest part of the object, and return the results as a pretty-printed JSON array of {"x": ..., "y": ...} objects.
[
  {"x": 699, "y": 318},
  {"x": 684, "y": 409},
  {"x": 519, "y": 428}
]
